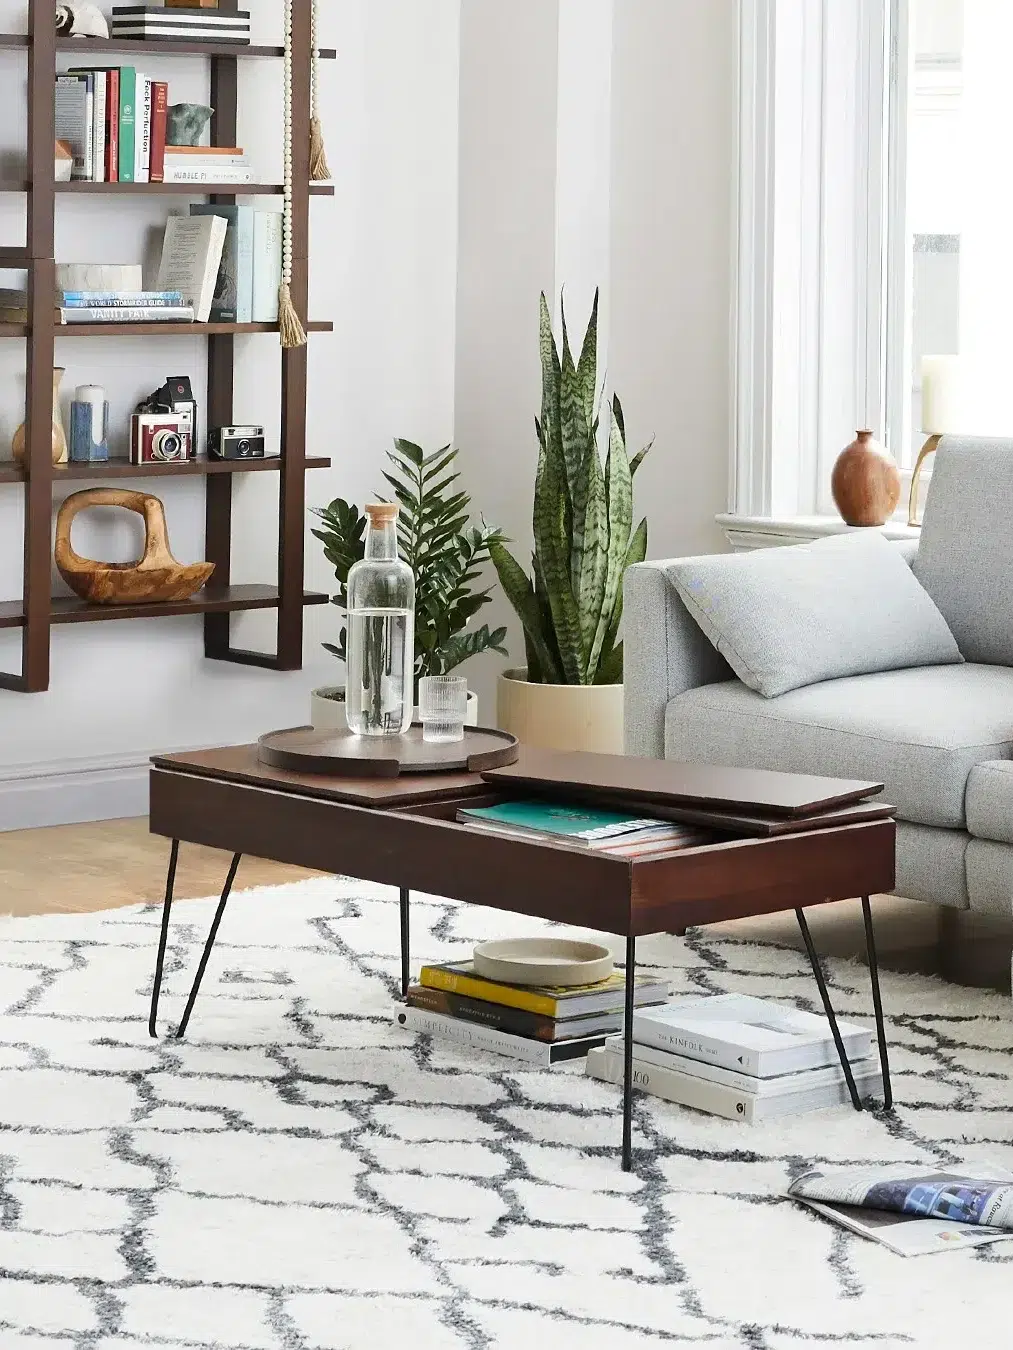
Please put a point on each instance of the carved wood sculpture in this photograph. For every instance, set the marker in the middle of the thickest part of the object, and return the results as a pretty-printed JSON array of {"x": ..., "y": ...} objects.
[{"x": 156, "y": 576}]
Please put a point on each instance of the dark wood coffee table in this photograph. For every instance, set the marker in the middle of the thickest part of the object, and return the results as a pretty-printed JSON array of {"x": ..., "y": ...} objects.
[{"x": 402, "y": 832}]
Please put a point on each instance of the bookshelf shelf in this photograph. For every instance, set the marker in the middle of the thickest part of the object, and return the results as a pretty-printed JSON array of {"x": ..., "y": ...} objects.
[
  {"x": 211, "y": 600},
  {"x": 37, "y": 611}
]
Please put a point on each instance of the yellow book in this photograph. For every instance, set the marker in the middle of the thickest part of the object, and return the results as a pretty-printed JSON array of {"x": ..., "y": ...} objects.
[{"x": 458, "y": 977}]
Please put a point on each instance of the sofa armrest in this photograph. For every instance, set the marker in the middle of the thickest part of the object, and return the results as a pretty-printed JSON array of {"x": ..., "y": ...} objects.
[{"x": 665, "y": 653}]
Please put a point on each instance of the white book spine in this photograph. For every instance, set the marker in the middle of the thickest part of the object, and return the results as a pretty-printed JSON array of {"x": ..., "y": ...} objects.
[
  {"x": 98, "y": 139},
  {"x": 473, "y": 1034},
  {"x": 717, "y": 1099},
  {"x": 142, "y": 131},
  {"x": 266, "y": 266},
  {"x": 124, "y": 314},
  {"x": 232, "y": 177},
  {"x": 742, "y": 1082},
  {"x": 697, "y": 1044}
]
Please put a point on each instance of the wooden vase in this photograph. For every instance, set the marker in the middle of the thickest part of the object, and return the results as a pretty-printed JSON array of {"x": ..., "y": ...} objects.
[
  {"x": 865, "y": 482},
  {"x": 59, "y": 436}
]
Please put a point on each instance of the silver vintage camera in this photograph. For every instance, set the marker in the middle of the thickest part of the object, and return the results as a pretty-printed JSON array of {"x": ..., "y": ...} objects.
[
  {"x": 236, "y": 443},
  {"x": 159, "y": 438}
]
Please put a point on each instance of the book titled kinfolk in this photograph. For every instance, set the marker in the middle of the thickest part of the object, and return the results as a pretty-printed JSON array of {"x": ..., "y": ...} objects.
[{"x": 747, "y": 1034}]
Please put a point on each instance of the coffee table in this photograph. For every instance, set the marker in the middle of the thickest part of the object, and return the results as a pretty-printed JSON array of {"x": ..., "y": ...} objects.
[{"x": 815, "y": 848}]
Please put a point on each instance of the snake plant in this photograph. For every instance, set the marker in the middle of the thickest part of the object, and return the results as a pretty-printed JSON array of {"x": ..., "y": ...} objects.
[{"x": 571, "y": 606}]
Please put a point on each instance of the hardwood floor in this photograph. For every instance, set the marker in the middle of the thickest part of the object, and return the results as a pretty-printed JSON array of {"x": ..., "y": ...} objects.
[{"x": 82, "y": 868}]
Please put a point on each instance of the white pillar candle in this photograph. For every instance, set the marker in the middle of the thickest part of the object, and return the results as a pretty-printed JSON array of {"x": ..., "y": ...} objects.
[
  {"x": 942, "y": 396},
  {"x": 95, "y": 396}
]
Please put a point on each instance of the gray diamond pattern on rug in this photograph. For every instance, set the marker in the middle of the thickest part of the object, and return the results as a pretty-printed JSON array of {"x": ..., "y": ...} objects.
[{"x": 301, "y": 1174}]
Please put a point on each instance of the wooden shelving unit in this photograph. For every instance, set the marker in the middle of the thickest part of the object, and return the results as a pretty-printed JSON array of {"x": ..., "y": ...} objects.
[{"x": 38, "y": 610}]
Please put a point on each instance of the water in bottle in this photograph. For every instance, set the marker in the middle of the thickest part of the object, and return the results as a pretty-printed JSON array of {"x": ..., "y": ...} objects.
[{"x": 379, "y": 693}]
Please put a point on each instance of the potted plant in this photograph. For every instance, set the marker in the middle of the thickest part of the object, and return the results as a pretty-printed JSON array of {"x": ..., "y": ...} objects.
[
  {"x": 570, "y": 696},
  {"x": 445, "y": 553}
]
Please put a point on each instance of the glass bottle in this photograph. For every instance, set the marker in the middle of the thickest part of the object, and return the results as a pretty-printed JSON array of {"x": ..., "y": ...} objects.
[{"x": 379, "y": 697}]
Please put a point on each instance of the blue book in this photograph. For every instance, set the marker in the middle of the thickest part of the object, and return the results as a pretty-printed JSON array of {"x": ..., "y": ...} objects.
[
  {"x": 124, "y": 299},
  {"x": 233, "y": 300},
  {"x": 578, "y": 823}
]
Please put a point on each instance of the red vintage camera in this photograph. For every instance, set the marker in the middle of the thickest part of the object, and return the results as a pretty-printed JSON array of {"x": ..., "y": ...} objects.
[{"x": 159, "y": 438}]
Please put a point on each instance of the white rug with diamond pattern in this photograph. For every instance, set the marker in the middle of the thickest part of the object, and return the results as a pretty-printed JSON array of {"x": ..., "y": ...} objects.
[{"x": 300, "y": 1174}]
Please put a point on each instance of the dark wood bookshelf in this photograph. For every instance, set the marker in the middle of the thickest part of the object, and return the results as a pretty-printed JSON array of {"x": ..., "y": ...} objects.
[
  {"x": 211, "y": 600},
  {"x": 38, "y": 610}
]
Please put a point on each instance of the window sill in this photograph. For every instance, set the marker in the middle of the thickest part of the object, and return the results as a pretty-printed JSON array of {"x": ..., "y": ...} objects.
[{"x": 749, "y": 532}]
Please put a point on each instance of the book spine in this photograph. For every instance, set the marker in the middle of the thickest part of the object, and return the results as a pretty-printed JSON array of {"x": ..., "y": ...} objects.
[
  {"x": 696, "y": 1045},
  {"x": 474, "y": 1035},
  {"x": 141, "y": 314},
  {"x": 496, "y": 1015},
  {"x": 142, "y": 134},
  {"x": 244, "y": 227},
  {"x": 98, "y": 158},
  {"x": 174, "y": 160},
  {"x": 714, "y": 1098},
  {"x": 89, "y": 135},
  {"x": 128, "y": 122},
  {"x": 434, "y": 977},
  {"x": 232, "y": 177},
  {"x": 72, "y": 118},
  {"x": 266, "y": 266},
  {"x": 159, "y": 123},
  {"x": 113, "y": 125},
  {"x": 124, "y": 299}
]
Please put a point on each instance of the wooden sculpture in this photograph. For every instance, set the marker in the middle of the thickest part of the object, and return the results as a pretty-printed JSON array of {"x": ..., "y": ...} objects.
[{"x": 156, "y": 576}]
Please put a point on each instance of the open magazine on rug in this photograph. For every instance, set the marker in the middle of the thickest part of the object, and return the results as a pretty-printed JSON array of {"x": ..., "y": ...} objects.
[{"x": 913, "y": 1211}]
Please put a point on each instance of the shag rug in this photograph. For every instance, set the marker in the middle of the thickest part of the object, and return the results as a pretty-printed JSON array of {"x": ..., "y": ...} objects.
[{"x": 301, "y": 1174}]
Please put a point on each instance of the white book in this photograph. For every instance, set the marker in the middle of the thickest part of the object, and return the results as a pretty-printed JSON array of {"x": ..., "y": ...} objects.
[
  {"x": 480, "y": 1037},
  {"x": 205, "y": 161},
  {"x": 98, "y": 134},
  {"x": 267, "y": 229},
  {"x": 233, "y": 177},
  {"x": 747, "y": 1034},
  {"x": 718, "y": 1100},
  {"x": 142, "y": 130},
  {"x": 191, "y": 257},
  {"x": 127, "y": 314},
  {"x": 742, "y": 1082}
]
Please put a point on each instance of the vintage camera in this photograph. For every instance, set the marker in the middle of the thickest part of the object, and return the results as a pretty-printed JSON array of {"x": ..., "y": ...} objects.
[
  {"x": 236, "y": 443},
  {"x": 176, "y": 398},
  {"x": 159, "y": 438}
]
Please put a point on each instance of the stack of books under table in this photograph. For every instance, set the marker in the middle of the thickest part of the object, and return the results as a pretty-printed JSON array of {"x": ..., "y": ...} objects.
[
  {"x": 542, "y": 1025},
  {"x": 741, "y": 1057}
]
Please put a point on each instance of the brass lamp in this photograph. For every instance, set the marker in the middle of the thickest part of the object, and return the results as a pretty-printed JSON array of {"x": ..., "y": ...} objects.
[{"x": 941, "y": 414}]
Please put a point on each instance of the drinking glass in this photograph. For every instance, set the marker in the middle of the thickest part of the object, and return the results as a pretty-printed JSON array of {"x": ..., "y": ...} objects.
[{"x": 443, "y": 701}]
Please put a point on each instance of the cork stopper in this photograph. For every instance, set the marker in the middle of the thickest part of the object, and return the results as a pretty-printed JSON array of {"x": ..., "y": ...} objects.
[{"x": 380, "y": 513}]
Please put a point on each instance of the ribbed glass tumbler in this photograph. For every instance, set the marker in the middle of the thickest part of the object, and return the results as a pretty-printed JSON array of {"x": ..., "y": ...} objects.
[{"x": 443, "y": 702}]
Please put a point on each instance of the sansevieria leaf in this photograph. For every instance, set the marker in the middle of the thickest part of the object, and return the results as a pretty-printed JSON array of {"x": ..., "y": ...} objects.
[{"x": 620, "y": 522}]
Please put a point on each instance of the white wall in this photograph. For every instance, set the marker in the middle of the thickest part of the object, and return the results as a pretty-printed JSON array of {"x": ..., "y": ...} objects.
[{"x": 384, "y": 267}]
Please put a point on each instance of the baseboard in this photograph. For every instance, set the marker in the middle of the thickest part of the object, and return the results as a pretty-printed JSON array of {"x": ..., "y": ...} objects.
[{"x": 73, "y": 791}]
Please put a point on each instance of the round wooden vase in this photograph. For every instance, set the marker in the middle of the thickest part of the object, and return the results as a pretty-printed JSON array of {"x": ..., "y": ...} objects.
[
  {"x": 865, "y": 482},
  {"x": 59, "y": 436}
]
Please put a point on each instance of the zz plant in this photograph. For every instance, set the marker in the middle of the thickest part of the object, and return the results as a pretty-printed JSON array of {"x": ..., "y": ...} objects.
[
  {"x": 572, "y": 604},
  {"x": 436, "y": 541}
]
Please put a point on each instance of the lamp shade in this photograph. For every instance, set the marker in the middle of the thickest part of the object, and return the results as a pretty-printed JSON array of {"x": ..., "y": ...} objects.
[{"x": 943, "y": 410}]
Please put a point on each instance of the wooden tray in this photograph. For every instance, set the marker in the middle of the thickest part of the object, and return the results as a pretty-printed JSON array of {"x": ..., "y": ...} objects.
[{"x": 342, "y": 755}]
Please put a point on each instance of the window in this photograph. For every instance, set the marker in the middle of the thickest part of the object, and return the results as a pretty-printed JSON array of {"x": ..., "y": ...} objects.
[{"x": 875, "y": 208}]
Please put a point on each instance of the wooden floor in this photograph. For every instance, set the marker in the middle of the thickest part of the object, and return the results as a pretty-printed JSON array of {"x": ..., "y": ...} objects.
[{"x": 83, "y": 868}]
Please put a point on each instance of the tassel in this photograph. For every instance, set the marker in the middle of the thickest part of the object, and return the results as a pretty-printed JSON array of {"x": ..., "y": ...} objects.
[
  {"x": 319, "y": 172},
  {"x": 292, "y": 332}
]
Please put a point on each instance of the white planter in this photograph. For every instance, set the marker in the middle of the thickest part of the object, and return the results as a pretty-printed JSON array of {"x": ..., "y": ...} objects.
[
  {"x": 327, "y": 708},
  {"x": 561, "y": 716}
]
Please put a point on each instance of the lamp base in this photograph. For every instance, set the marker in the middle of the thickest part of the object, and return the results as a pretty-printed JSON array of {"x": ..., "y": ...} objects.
[{"x": 927, "y": 449}]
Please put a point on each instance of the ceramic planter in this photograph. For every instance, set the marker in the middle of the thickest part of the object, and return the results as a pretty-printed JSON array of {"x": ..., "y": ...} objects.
[
  {"x": 327, "y": 708},
  {"x": 561, "y": 716}
]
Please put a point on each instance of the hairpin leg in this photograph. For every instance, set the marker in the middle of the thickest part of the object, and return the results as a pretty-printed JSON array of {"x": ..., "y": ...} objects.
[
  {"x": 216, "y": 922},
  {"x": 405, "y": 975},
  {"x": 856, "y": 1100},
  {"x": 631, "y": 961},
  {"x": 170, "y": 881},
  {"x": 877, "y": 1003}
]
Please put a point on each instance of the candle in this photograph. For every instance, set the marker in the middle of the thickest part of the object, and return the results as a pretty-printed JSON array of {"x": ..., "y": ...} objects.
[{"x": 942, "y": 396}]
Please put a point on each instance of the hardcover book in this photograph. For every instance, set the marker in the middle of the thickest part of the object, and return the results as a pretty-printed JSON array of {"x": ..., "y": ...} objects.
[
  {"x": 97, "y": 82},
  {"x": 112, "y": 125},
  {"x": 233, "y": 300},
  {"x": 159, "y": 122},
  {"x": 498, "y": 1042},
  {"x": 747, "y": 1034},
  {"x": 458, "y": 977},
  {"x": 142, "y": 131},
  {"x": 516, "y": 1021},
  {"x": 267, "y": 234},
  {"x": 581, "y": 824},
  {"x": 73, "y": 103},
  {"x": 128, "y": 116},
  {"x": 191, "y": 257}
]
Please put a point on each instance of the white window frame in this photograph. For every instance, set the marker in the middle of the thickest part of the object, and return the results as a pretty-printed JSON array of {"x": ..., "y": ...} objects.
[{"x": 820, "y": 230}]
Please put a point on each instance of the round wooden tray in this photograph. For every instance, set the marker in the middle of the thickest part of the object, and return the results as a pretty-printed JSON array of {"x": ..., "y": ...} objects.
[{"x": 342, "y": 755}]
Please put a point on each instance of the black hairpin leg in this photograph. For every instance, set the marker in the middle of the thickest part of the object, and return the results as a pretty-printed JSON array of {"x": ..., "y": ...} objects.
[
  {"x": 181, "y": 1029},
  {"x": 828, "y": 1009},
  {"x": 170, "y": 881},
  {"x": 877, "y": 1003},
  {"x": 631, "y": 961},
  {"x": 405, "y": 977}
]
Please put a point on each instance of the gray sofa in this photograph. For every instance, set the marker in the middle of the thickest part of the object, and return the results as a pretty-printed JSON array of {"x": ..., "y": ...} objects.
[{"x": 939, "y": 737}]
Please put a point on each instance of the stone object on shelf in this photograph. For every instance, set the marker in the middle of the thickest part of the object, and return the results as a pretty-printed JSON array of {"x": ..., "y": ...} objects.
[
  {"x": 865, "y": 482},
  {"x": 186, "y": 122},
  {"x": 155, "y": 577}
]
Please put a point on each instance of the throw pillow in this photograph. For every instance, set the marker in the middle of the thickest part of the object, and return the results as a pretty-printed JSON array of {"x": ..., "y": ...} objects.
[{"x": 787, "y": 617}]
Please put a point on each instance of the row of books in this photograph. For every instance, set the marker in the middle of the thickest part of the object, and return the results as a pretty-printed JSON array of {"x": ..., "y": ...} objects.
[
  {"x": 220, "y": 264},
  {"x": 538, "y": 1025},
  {"x": 157, "y": 23},
  {"x": 740, "y": 1057},
  {"x": 114, "y": 121},
  {"x": 616, "y": 833}
]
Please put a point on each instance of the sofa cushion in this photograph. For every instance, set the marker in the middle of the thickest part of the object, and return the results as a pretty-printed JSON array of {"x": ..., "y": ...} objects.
[
  {"x": 989, "y": 801},
  {"x": 788, "y": 617},
  {"x": 920, "y": 732},
  {"x": 964, "y": 557}
]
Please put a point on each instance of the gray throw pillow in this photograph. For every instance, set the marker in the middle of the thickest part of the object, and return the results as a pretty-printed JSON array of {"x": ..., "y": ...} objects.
[{"x": 787, "y": 617}]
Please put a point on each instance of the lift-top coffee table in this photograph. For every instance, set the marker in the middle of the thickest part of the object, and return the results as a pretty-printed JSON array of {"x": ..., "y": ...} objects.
[{"x": 786, "y": 841}]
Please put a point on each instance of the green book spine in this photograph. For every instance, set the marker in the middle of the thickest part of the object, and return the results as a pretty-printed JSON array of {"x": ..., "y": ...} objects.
[{"x": 128, "y": 122}]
